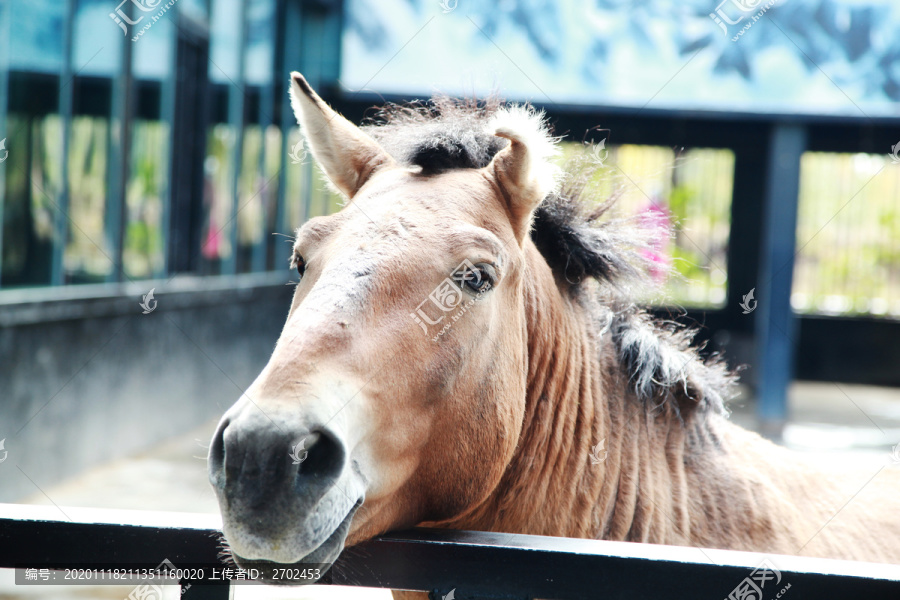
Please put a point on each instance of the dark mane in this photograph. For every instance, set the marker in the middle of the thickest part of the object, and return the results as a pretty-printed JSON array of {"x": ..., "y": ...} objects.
[
  {"x": 591, "y": 253},
  {"x": 438, "y": 135}
]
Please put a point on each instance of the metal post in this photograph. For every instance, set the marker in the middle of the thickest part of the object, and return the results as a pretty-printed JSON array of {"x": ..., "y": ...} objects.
[
  {"x": 5, "y": 27},
  {"x": 745, "y": 234},
  {"x": 260, "y": 250},
  {"x": 119, "y": 158},
  {"x": 236, "y": 99},
  {"x": 66, "y": 93},
  {"x": 286, "y": 53},
  {"x": 775, "y": 322},
  {"x": 168, "y": 99}
]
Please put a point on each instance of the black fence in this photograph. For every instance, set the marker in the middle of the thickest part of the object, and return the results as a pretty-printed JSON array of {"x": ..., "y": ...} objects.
[{"x": 469, "y": 564}]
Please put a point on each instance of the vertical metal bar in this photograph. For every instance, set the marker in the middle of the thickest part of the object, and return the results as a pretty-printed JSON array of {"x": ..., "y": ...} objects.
[
  {"x": 283, "y": 58},
  {"x": 5, "y": 27},
  {"x": 291, "y": 57},
  {"x": 189, "y": 117},
  {"x": 745, "y": 235},
  {"x": 775, "y": 322},
  {"x": 314, "y": 43},
  {"x": 236, "y": 120},
  {"x": 264, "y": 112},
  {"x": 258, "y": 252},
  {"x": 66, "y": 92},
  {"x": 167, "y": 115},
  {"x": 118, "y": 158}
]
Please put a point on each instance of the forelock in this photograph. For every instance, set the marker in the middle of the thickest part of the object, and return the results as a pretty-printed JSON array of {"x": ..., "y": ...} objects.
[{"x": 447, "y": 133}]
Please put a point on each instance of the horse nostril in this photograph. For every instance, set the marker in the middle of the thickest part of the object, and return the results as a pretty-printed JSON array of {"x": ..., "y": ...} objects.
[
  {"x": 216, "y": 458},
  {"x": 249, "y": 461},
  {"x": 324, "y": 457}
]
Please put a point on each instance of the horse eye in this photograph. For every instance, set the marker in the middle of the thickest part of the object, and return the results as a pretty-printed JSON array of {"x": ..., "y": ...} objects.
[
  {"x": 298, "y": 263},
  {"x": 480, "y": 279}
]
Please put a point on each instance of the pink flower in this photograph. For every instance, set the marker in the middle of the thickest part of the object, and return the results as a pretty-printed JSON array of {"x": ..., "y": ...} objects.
[{"x": 655, "y": 219}]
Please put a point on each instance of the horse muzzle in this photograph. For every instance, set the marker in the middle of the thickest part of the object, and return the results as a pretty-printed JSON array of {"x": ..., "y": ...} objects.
[{"x": 284, "y": 487}]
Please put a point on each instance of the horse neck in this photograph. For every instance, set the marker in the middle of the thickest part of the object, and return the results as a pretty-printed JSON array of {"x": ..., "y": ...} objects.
[
  {"x": 576, "y": 399},
  {"x": 542, "y": 490}
]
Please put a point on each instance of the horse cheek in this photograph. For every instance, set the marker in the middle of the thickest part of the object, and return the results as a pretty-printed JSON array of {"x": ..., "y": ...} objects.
[{"x": 484, "y": 443}]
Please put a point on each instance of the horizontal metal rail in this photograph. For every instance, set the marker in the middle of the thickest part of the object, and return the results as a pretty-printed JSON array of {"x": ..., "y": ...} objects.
[{"x": 473, "y": 564}]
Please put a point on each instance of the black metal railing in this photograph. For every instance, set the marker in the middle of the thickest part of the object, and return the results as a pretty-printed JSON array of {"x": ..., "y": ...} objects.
[{"x": 472, "y": 564}]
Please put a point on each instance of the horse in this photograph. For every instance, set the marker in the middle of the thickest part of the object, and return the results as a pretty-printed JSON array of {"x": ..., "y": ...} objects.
[{"x": 464, "y": 350}]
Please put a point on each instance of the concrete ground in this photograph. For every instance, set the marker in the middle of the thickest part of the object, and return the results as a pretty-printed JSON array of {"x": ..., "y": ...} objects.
[{"x": 840, "y": 424}]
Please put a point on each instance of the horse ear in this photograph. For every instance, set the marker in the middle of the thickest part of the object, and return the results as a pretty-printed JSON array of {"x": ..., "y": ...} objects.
[
  {"x": 523, "y": 169},
  {"x": 347, "y": 156}
]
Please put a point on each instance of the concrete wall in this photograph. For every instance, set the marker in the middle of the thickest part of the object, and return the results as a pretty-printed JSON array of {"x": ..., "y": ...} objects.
[{"x": 85, "y": 377}]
